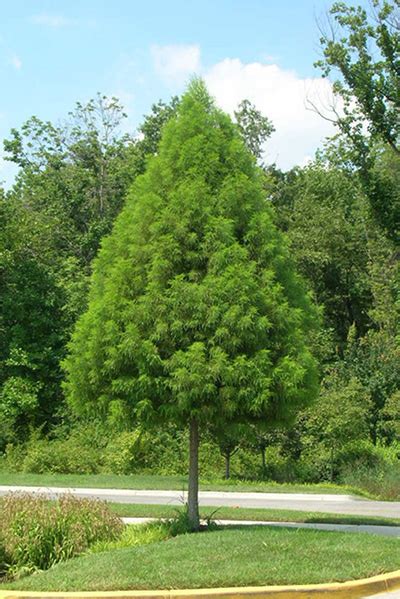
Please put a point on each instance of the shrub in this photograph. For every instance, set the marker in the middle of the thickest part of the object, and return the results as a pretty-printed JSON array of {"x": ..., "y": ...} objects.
[
  {"x": 127, "y": 452},
  {"x": 13, "y": 457},
  {"x": 77, "y": 450},
  {"x": 62, "y": 456},
  {"x": 168, "y": 453},
  {"x": 360, "y": 455},
  {"x": 36, "y": 533}
]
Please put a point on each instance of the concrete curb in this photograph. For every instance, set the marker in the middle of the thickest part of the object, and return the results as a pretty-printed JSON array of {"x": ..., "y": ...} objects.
[{"x": 341, "y": 590}]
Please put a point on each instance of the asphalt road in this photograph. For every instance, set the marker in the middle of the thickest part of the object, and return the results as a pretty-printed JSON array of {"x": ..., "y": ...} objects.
[{"x": 335, "y": 504}]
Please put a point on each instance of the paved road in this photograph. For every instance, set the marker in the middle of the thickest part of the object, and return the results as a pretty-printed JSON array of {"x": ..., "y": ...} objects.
[{"x": 335, "y": 504}]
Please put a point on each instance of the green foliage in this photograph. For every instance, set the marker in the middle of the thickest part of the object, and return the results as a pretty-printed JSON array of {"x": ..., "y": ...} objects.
[
  {"x": 364, "y": 46},
  {"x": 70, "y": 186},
  {"x": 31, "y": 324},
  {"x": 60, "y": 456},
  {"x": 362, "y": 456},
  {"x": 374, "y": 360},
  {"x": 341, "y": 415},
  {"x": 128, "y": 452},
  {"x": 327, "y": 226},
  {"x": 18, "y": 401},
  {"x": 390, "y": 418},
  {"x": 194, "y": 309},
  {"x": 382, "y": 187},
  {"x": 151, "y": 130},
  {"x": 80, "y": 451},
  {"x": 35, "y": 533},
  {"x": 254, "y": 128},
  {"x": 75, "y": 174}
]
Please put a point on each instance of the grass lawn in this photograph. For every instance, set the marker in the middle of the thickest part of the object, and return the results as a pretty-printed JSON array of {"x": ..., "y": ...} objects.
[
  {"x": 153, "y": 481},
  {"x": 137, "y": 510},
  {"x": 235, "y": 557}
]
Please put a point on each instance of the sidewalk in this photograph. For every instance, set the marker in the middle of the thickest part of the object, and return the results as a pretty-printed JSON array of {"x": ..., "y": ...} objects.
[{"x": 385, "y": 531}]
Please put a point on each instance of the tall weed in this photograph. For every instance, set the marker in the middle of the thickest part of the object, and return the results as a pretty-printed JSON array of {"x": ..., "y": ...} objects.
[{"x": 36, "y": 533}]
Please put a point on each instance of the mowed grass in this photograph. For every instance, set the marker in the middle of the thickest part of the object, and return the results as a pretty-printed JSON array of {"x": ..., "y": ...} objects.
[
  {"x": 154, "y": 481},
  {"x": 225, "y": 558},
  {"x": 138, "y": 510}
]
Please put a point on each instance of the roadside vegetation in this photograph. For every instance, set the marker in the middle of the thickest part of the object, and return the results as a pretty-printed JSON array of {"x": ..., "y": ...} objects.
[{"x": 162, "y": 464}]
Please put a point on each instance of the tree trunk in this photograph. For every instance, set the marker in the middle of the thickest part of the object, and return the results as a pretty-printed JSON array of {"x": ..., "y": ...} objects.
[
  {"x": 264, "y": 465},
  {"x": 227, "y": 465},
  {"x": 193, "y": 488},
  {"x": 331, "y": 460}
]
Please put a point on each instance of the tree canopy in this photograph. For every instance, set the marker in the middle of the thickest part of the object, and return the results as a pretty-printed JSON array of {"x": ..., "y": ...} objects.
[{"x": 364, "y": 46}]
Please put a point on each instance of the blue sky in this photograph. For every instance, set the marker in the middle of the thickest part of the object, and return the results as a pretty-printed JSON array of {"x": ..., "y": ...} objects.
[{"x": 54, "y": 53}]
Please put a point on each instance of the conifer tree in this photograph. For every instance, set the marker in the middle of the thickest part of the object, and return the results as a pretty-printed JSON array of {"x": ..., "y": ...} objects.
[{"x": 195, "y": 315}]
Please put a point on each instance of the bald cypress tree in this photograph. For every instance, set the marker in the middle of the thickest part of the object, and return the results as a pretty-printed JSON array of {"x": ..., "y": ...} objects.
[{"x": 196, "y": 315}]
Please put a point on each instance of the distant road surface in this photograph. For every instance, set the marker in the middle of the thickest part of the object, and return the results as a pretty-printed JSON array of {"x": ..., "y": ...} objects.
[{"x": 334, "y": 504}]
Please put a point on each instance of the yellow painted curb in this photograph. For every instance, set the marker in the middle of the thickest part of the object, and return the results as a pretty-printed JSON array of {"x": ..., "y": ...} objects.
[{"x": 341, "y": 590}]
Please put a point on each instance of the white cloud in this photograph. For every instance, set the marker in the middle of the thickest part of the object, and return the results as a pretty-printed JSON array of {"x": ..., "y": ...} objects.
[
  {"x": 16, "y": 62},
  {"x": 175, "y": 63},
  {"x": 281, "y": 95},
  {"x": 48, "y": 20}
]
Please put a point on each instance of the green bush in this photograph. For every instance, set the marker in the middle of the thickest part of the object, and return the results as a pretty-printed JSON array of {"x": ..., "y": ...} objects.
[
  {"x": 13, "y": 457},
  {"x": 168, "y": 452},
  {"x": 126, "y": 452},
  {"x": 79, "y": 450},
  {"x": 60, "y": 456},
  {"x": 36, "y": 533},
  {"x": 278, "y": 466},
  {"x": 360, "y": 455}
]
